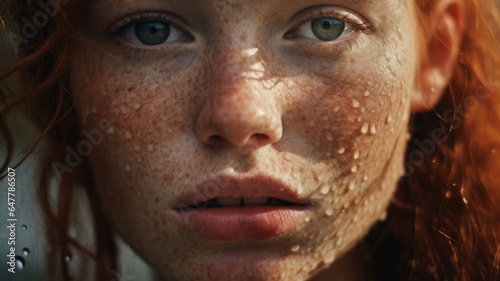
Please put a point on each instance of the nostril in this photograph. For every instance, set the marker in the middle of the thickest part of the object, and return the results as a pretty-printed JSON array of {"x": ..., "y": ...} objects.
[{"x": 262, "y": 138}]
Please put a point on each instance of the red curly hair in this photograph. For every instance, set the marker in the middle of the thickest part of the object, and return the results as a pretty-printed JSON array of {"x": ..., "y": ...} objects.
[{"x": 445, "y": 216}]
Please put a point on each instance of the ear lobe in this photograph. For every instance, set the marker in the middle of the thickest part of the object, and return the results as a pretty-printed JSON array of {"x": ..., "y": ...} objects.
[{"x": 444, "y": 39}]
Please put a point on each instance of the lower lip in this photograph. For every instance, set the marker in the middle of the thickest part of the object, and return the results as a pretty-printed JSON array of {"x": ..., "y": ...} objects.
[{"x": 242, "y": 223}]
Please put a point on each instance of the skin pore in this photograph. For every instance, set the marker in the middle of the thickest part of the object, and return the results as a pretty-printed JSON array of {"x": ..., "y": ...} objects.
[{"x": 243, "y": 90}]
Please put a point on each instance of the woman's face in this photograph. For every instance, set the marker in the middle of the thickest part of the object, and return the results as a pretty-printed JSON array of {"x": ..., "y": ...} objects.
[{"x": 296, "y": 111}]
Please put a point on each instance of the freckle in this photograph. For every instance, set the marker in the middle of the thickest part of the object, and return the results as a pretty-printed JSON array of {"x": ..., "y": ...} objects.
[
  {"x": 364, "y": 128},
  {"x": 324, "y": 189},
  {"x": 373, "y": 129},
  {"x": 355, "y": 103},
  {"x": 329, "y": 137},
  {"x": 341, "y": 150},
  {"x": 329, "y": 212},
  {"x": 128, "y": 168},
  {"x": 150, "y": 147},
  {"x": 356, "y": 155}
]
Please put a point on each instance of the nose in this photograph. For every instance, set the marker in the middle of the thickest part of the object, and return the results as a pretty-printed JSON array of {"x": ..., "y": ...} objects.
[{"x": 239, "y": 111}]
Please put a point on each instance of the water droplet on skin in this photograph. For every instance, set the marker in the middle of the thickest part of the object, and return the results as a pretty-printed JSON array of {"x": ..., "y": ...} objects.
[
  {"x": 24, "y": 227},
  {"x": 367, "y": 94},
  {"x": 136, "y": 148},
  {"x": 150, "y": 147},
  {"x": 128, "y": 168},
  {"x": 307, "y": 219},
  {"x": 26, "y": 252},
  {"x": 400, "y": 34},
  {"x": 351, "y": 186},
  {"x": 110, "y": 130},
  {"x": 20, "y": 263},
  {"x": 356, "y": 155},
  {"x": 137, "y": 106},
  {"x": 329, "y": 212},
  {"x": 354, "y": 169},
  {"x": 294, "y": 248},
  {"x": 448, "y": 194},
  {"x": 329, "y": 258},
  {"x": 355, "y": 103},
  {"x": 355, "y": 219},
  {"x": 170, "y": 130},
  {"x": 341, "y": 150},
  {"x": 365, "y": 178},
  {"x": 364, "y": 128},
  {"x": 312, "y": 124},
  {"x": 388, "y": 120},
  {"x": 300, "y": 190},
  {"x": 128, "y": 135},
  {"x": 338, "y": 242},
  {"x": 324, "y": 189},
  {"x": 329, "y": 137},
  {"x": 373, "y": 129},
  {"x": 67, "y": 258},
  {"x": 93, "y": 109}
]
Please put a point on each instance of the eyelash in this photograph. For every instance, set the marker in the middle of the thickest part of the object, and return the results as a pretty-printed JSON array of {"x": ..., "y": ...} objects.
[
  {"x": 317, "y": 46},
  {"x": 124, "y": 23},
  {"x": 332, "y": 46}
]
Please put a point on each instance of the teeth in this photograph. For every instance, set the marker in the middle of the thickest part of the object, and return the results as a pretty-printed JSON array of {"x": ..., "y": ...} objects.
[
  {"x": 255, "y": 201},
  {"x": 229, "y": 201}
]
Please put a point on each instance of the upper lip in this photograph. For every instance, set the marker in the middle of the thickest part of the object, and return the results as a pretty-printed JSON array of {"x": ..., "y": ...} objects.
[{"x": 234, "y": 187}]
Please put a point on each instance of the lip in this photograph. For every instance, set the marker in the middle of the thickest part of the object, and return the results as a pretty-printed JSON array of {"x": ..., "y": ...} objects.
[{"x": 244, "y": 222}]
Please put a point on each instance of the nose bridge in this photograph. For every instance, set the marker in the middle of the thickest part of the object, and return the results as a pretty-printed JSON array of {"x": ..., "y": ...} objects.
[{"x": 238, "y": 109}]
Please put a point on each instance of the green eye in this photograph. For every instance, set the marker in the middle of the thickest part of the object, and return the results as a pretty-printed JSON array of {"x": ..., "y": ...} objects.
[{"x": 327, "y": 29}]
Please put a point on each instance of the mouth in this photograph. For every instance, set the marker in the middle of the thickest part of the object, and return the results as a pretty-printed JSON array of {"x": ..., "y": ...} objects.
[
  {"x": 229, "y": 209},
  {"x": 239, "y": 202}
]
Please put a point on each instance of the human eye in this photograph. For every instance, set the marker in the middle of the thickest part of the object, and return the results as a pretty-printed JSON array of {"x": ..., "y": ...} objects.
[
  {"x": 149, "y": 31},
  {"x": 325, "y": 29},
  {"x": 328, "y": 29}
]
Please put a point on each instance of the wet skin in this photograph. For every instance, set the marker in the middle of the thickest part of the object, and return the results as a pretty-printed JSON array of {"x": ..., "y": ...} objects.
[{"x": 247, "y": 93}]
